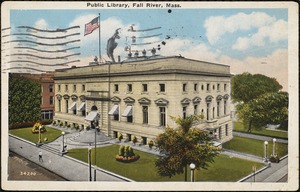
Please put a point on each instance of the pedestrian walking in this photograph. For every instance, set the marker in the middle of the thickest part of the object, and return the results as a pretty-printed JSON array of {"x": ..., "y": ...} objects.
[{"x": 40, "y": 156}]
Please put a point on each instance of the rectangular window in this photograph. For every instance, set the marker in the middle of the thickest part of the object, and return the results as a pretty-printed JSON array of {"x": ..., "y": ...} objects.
[
  {"x": 145, "y": 88},
  {"x": 51, "y": 88},
  {"x": 225, "y": 87},
  {"x": 184, "y": 87},
  {"x": 74, "y": 88},
  {"x": 220, "y": 133},
  {"x": 225, "y": 106},
  {"x": 66, "y": 87},
  {"x": 218, "y": 108},
  {"x": 207, "y": 111},
  {"x": 207, "y": 87},
  {"x": 195, "y": 109},
  {"x": 58, "y": 87},
  {"x": 59, "y": 105},
  {"x": 129, "y": 87},
  {"x": 184, "y": 112},
  {"x": 195, "y": 87},
  {"x": 83, "y": 87},
  {"x": 145, "y": 114},
  {"x": 226, "y": 129},
  {"x": 218, "y": 87},
  {"x": 162, "y": 111},
  {"x": 162, "y": 88},
  {"x": 116, "y": 87},
  {"x": 51, "y": 100},
  {"x": 42, "y": 100},
  {"x": 67, "y": 106}
]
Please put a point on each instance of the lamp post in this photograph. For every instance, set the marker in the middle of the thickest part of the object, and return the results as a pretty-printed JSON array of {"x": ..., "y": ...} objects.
[
  {"x": 265, "y": 150},
  {"x": 274, "y": 145},
  {"x": 63, "y": 141},
  {"x": 40, "y": 136},
  {"x": 96, "y": 127},
  {"x": 89, "y": 160},
  {"x": 254, "y": 171},
  {"x": 192, "y": 167}
]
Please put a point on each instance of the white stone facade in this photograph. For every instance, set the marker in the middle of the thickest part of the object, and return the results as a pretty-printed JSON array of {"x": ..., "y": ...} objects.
[{"x": 144, "y": 95}]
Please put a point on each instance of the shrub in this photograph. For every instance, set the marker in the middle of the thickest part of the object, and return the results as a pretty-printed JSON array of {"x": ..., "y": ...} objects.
[
  {"x": 36, "y": 126},
  {"x": 151, "y": 143},
  {"x": 134, "y": 140},
  {"x": 126, "y": 154},
  {"x": 54, "y": 123},
  {"x": 274, "y": 159},
  {"x": 76, "y": 126},
  {"x": 61, "y": 124},
  {"x": 120, "y": 136}
]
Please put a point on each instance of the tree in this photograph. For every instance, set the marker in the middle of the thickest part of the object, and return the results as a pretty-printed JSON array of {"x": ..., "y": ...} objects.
[
  {"x": 246, "y": 86},
  {"x": 182, "y": 146},
  {"x": 269, "y": 108},
  {"x": 24, "y": 100}
]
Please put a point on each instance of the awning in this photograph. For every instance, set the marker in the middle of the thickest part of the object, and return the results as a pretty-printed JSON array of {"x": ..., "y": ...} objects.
[
  {"x": 127, "y": 112},
  {"x": 73, "y": 106},
  {"x": 92, "y": 116},
  {"x": 81, "y": 107},
  {"x": 114, "y": 110}
]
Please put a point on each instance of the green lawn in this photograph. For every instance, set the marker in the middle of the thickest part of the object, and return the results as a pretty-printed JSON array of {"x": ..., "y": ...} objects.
[
  {"x": 254, "y": 147},
  {"x": 238, "y": 126},
  {"x": 224, "y": 168},
  {"x": 26, "y": 133}
]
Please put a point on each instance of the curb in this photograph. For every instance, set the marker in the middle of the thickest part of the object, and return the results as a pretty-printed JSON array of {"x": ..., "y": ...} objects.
[
  {"x": 260, "y": 170},
  {"x": 100, "y": 169}
]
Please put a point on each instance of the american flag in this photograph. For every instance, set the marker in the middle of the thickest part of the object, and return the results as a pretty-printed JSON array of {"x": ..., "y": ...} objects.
[{"x": 91, "y": 26}]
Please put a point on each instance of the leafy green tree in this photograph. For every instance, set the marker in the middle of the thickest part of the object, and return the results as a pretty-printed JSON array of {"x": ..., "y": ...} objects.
[
  {"x": 24, "y": 100},
  {"x": 182, "y": 146},
  {"x": 270, "y": 108},
  {"x": 246, "y": 86}
]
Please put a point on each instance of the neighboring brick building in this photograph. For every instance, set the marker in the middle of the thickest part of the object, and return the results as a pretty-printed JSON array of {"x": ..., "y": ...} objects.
[
  {"x": 137, "y": 98},
  {"x": 47, "y": 91}
]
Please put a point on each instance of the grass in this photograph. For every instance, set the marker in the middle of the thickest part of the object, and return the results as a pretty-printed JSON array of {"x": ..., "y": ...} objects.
[
  {"x": 238, "y": 126},
  {"x": 144, "y": 169},
  {"x": 26, "y": 133},
  {"x": 254, "y": 147}
]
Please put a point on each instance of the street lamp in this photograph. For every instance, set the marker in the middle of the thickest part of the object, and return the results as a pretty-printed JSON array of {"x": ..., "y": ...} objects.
[
  {"x": 192, "y": 167},
  {"x": 90, "y": 163},
  {"x": 254, "y": 171},
  {"x": 274, "y": 145},
  {"x": 40, "y": 137},
  {"x": 265, "y": 150},
  {"x": 96, "y": 127},
  {"x": 63, "y": 141}
]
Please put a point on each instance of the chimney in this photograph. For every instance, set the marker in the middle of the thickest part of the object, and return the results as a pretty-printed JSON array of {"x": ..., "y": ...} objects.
[{"x": 119, "y": 58}]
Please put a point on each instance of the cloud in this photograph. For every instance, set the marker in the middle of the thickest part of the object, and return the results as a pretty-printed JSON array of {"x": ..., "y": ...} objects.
[
  {"x": 273, "y": 33},
  {"x": 41, "y": 24},
  {"x": 272, "y": 65},
  {"x": 217, "y": 26}
]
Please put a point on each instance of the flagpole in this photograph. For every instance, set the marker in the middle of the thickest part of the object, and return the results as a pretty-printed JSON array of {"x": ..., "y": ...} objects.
[{"x": 100, "y": 59}]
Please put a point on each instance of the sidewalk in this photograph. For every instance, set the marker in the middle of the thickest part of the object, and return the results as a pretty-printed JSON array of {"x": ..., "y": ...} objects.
[
  {"x": 274, "y": 173},
  {"x": 64, "y": 166},
  {"x": 259, "y": 137}
]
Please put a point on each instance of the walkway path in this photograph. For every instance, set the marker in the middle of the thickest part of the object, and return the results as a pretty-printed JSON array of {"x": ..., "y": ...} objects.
[
  {"x": 69, "y": 168},
  {"x": 259, "y": 137},
  {"x": 274, "y": 173}
]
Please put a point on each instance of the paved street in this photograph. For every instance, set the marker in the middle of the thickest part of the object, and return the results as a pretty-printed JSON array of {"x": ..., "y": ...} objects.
[{"x": 74, "y": 170}]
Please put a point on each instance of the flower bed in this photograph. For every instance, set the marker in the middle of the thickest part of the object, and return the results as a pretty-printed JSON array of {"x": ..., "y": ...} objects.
[
  {"x": 126, "y": 155},
  {"x": 127, "y": 159},
  {"x": 36, "y": 127}
]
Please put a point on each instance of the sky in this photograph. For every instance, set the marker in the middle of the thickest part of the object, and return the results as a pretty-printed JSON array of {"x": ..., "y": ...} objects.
[{"x": 248, "y": 40}]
